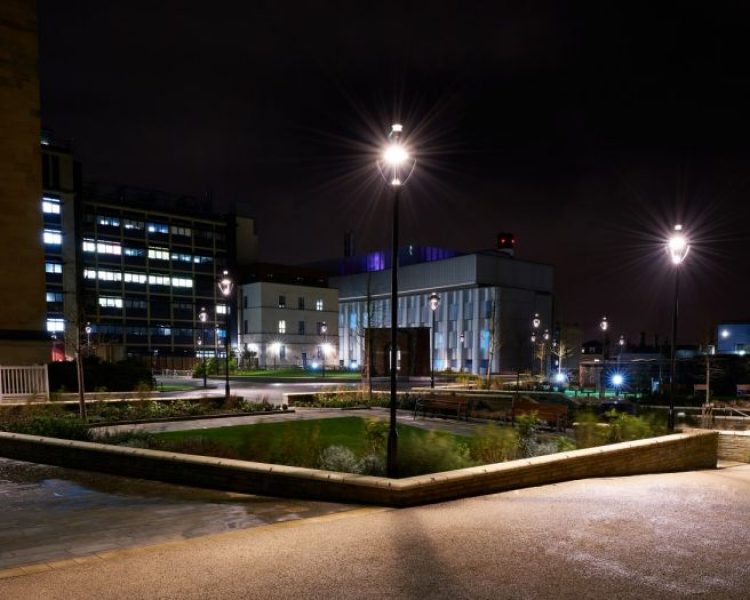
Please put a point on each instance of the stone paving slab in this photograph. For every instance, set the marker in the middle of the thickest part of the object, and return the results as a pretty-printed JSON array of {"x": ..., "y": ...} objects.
[{"x": 50, "y": 513}]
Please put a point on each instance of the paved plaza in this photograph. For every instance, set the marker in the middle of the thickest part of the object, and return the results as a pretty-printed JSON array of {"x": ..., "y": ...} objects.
[{"x": 650, "y": 536}]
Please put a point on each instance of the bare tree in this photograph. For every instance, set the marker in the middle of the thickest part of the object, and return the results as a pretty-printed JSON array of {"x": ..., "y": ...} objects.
[{"x": 495, "y": 344}]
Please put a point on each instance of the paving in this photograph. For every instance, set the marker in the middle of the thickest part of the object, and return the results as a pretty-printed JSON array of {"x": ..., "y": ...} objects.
[
  {"x": 50, "y": 513},
  {"x": 651, "y": 536}
]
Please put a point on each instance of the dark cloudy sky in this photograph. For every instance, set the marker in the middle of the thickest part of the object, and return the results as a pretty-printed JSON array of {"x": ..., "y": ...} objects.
[{"x": 587, "y": 132}]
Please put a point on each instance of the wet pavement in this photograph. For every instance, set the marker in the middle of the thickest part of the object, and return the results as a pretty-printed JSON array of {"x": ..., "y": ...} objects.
[{"x": 50, "y": 513}]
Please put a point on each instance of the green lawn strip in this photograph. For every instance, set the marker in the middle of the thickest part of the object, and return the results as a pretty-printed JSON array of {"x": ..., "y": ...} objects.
[
  {"x": 174, "y": 387},
  {"x": 297, "y": 374},
  {"x": 344, "y": 431}
]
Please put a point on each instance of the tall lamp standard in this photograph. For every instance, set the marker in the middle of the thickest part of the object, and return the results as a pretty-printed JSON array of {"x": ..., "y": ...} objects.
[
  {"x": 395, "y": 166},
  {"x": 323, "y": 331},
  {"x": 461, "y": 340},
  {"x": 604, "y": 326},
  {"x": 545, "y": 339},
  {"x": 536, "y": 322},
  {"x": 88, "y": 339},
  {"x": 678, "y": 248},
  {"x": 203, "y": 318},
  {"x": 434, "y": 304},
  {"x": 225, "y": 287}
]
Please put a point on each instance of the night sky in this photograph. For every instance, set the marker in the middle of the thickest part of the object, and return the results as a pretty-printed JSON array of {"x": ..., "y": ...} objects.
[{"x": 587, "y": 133}]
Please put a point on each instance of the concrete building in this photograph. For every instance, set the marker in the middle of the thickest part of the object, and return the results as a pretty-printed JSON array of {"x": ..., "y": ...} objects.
[
  {"x": 288, "y": 318},
  {"x": 487, "y": 302},
  {"x": 23, "y": 339}
]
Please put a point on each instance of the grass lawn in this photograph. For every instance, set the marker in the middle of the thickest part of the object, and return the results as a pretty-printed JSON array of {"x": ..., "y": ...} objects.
[
  {"x": 270, "y": 439},
  {"x": 298, "y": 373},
  {"x": 174, "y": 387}
]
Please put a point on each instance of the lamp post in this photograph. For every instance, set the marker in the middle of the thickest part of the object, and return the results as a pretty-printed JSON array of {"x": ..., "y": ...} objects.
[
  {"x": 88, "y": 339},
  {"x": 225, "y": 287},
  {"x": 536, "y": 322},
  {"x": 323, "y": 331},
  {"x": 461, "y": 339},
  {"x": 678, "y": 248},
  {"x": 203, "y": 317},
  {"x": 604, "y": 326},
  {"x": 545, "y": 338},
  {"x": 395, "y": 166},
  {"x": 434, "y": 305}
]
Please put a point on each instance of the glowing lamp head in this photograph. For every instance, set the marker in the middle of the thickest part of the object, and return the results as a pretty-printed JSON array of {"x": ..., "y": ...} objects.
[
  {"x": 225, "y": 284},
  {"x": 533, "y": 338},
  {"x": 621, "y": 341},
  {"x": 395, "y": 155},
  {"x": 536, "y": 321},
  {"x": 604, "y": 324},
  {"x": 617, "y": 379},
  {"x": 434, "y": 302},
  {"x": 203, "y": 315},
  {"x": 545, "y": 335},
  {"x": 560, "y": 378},
  {"x": 678, "y": 246},
  {"x": 323, "y": 328},
  {"x": 725, "y": 333}
]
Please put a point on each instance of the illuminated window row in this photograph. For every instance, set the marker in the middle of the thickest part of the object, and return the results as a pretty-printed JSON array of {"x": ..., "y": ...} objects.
[
  {"x": 102, "y": 247},
  {"x": 142, "y": 278},
  {"x": 52, "y": 267},
  {"x": 158, "y": 253},
  {"x": 54, "y": 297},
  {"x": 55, "y": 325}
]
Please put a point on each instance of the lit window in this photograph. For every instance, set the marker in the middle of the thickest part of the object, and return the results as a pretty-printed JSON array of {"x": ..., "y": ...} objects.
[
  {"x": 282, "y": 326},
  {"x": 108, "y": 221},
  {"x": 182, "y": 257},
  {"x": 221, "y": 309},
  {"x": 181, "y": 282},
  {"x": 134, "y": 277},
  {"x": 50, "y": 206},
  {"x": 52, "y": 236},
  {"x": 131, "y": 224},
  {"x": 158, "y": 280},
  {"x": 55, "y": 325},
  {"x": 156, "y": 253},
  {"x": 318, "y": 305},
  {"x": 134, "y": 252},
  {"x": 54, "y": 297},
  {"x": 102, "y": 247},
  {"x": 158, "y": 228},
  {"x": 52, "y": 267},
  {"x": 110, "y": 301}
]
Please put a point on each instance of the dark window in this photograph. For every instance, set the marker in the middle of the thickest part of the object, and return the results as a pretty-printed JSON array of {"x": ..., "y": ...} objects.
[
  {"x": 301, "y": 304},
  {"x": 244, "y": 326},
  {"x": 301, "y": 328},
  {"x": 282, "y": 301}
]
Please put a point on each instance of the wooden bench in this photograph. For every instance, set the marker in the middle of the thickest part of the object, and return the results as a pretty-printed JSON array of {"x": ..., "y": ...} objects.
[{"x": 442, "y": 406}]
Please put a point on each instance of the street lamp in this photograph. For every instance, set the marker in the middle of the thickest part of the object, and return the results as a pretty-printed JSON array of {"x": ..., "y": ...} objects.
[
  {"x": 461, "y": 340},
  {"x": 678, "y": 248},
  {"x": 323, "y": 331},
  {"x": 225, "y": 287},
  {"x": 545, "y": 337},
  {"x": 396, "y": 165},
  {"x": 88, "y": 330},
  {"x": 604, "y": 326},
  {"x": 434, "y": 304},
  {"x": 533, "y": 351},
  {"x": 203, "y": 317},
  {"x": 617, "y": 381}
]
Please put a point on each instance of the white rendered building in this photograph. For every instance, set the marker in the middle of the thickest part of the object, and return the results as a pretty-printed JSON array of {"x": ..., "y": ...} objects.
[{"x": 289, "y": 325}]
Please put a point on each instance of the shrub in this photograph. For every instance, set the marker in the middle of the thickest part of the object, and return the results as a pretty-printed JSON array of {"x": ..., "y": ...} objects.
[
  {"x": 65, "y": 427},
  {"x": 432, "y": 454},
  {"x": 624, "y": 427},
  {"x": 492, "y": 444},
  {"x": 376, "y": 432},
  {"x": 371, "y": 464},
  {"x": 338, "y": 458}
]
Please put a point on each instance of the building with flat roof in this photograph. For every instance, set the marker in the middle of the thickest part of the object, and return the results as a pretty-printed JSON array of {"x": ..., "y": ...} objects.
[{"x": 487, "y": 302}]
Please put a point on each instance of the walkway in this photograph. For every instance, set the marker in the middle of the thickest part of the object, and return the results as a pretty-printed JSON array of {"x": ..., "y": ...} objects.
[{"x": 651, "y": 536}]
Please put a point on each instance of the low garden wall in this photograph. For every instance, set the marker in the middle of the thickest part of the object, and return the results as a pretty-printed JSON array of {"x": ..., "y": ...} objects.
[
  {"x": 734, "y": 445},
  {"x": 677, "y": 452}
]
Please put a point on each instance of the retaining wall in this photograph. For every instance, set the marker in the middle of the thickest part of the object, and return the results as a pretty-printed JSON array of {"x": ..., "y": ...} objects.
[
  {"x": 678, "y": 452},
  {"x": 734, "y": 445}
]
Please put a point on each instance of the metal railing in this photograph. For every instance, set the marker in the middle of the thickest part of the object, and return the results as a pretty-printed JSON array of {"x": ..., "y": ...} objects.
[{"x": 24, "y": 383}]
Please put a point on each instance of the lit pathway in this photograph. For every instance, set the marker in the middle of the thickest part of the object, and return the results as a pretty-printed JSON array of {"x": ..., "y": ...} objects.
[{"x": 651, "y": 536}]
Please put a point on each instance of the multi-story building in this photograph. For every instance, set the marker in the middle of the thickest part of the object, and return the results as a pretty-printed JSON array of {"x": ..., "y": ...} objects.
[
  {"x": 487, "y": 302},
  {"x": 288, "y": 317},
  {"x": 23, "y": 340},
  {"x": 128, "y": 270}
]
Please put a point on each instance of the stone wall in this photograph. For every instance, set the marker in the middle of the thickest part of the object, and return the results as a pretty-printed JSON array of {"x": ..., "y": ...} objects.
[
  {"x": 734, "y": 445},
  {"x": 678, "y": 452}
]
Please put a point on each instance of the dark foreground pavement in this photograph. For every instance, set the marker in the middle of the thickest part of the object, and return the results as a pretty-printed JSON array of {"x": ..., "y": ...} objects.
[{"x": 653, "y": 536}]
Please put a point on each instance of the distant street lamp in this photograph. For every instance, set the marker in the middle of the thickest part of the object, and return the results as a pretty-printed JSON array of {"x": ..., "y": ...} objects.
[
  {"x": 88, "y": 330},
  {"x": 225, "y": 287},
  {"x": 461, "y": 340},
  {"x": 396, "y": 165},
  {"x": 434, "y": 305},
  {"x": 203, "y": 318},
  {"x": 323, "y": 331},
  {"x": 678, "y": 248},
  {"x": 533, "y": 351},
  {"x": 603, "y": 325},
  {"x": 545, "y": 338}
]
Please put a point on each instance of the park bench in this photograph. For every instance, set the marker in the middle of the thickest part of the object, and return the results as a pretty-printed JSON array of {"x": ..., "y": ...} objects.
[{"x": 442, "y": 406}]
